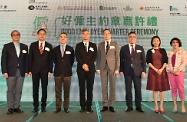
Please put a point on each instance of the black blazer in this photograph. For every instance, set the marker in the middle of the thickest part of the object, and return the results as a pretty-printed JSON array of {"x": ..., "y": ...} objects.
[
  {"x": 10, "y": 61},
  {"x": 40, "y": 63},
  {"x": 162, "y": 51},
  {"x": 139, "y": 61},
  {"x": 63, "y": 65},
  {"x": 84, "y": 57}
]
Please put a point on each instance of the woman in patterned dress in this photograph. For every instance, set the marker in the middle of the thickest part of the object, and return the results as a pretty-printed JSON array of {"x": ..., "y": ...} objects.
[{"x": 157, "y": 80}]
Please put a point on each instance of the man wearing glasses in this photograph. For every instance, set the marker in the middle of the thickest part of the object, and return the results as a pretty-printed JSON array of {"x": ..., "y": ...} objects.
[{"x": 14, "y": 69}]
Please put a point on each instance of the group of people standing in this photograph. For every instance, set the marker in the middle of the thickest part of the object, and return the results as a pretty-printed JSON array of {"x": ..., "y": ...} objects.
[{"x": 18, "y": 61}]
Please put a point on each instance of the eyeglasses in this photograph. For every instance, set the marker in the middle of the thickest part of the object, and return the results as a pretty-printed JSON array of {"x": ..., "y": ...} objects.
[{"x": 15, "y": 34}]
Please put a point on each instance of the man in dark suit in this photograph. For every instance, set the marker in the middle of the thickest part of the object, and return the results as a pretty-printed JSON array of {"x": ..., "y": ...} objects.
[
  {"x": 86, "y": 53},
  {"x": 63, "y": 57},
  {"x": 14, "y": 65},
  {"x": 40, "y": 67},
  {"x": 108, "y": 67},
  {"x": 133, "y": 67}
]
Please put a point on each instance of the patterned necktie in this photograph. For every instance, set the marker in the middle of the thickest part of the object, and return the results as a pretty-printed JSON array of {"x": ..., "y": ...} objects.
[
  {"x": 62, "y": 51},
  {"x": 107, "y": 47},
  {"x": 85, "y": 44},
  {"x": 132, "y": 50},
  {"x": 41, "y": 48}
]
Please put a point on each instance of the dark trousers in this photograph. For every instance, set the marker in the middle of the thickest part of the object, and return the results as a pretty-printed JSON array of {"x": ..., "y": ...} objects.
[
  {"x": 86, "y": 81},
  {"x": 58, "y": 90},
  {"x": 36, "y": 82},
  {"x": 137, "y": 86}
]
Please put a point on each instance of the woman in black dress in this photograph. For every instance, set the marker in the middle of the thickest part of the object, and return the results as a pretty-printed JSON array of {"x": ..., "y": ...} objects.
[{"x": 157, "y": 80}]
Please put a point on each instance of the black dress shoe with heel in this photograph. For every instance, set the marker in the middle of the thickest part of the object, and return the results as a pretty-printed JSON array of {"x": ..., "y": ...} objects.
[
  {"x": 129, "y": 109},
  {"x": 66, "y": 110},
  {"x": 10, "y": 111},
  {"x": 112, "y": 109},
  {"x": 82, "y": 109},
  {"x": 35, "y": 110},
  {"x": 105, "y": 108},
  {"x": 57, "y": 110},
  {"x": 43, "y": 109},
  {"x": 18, "y": 110},
  {"x": 139, "y": 109}
]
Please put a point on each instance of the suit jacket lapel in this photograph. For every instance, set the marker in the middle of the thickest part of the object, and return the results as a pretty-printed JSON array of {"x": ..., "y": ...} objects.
[
  {"x": 38, "y": 50},
  {"x": 14, "y": 49},
  {"x": 103, "y": 47},
  {"x": 135, "y": 50},
  {"x": 66, "y": 48},
  {"x": 128, "y": 51},
  {"x": 59, "y": 51},
  {"x": 21, "y": 48}
]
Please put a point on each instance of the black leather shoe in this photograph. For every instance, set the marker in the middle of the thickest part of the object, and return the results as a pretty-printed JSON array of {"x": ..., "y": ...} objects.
[
  {"x": 35, "y": 110},
  {"x": 89, "y": 110},
  {"x": 43, "y": 109},
  {"x": 105, "y": 108},
  {"x": 57, "y": 110},
  {"x": 112, "y": 109},
  {"x": 82, "y": 110},
  {"x": 10, "y": 111},
  {"x": 139, "y": 109},
  {"x": 66, "y": 110},
  {"x": 129, "y": 109},
  {"x": 18, "y": 110}
]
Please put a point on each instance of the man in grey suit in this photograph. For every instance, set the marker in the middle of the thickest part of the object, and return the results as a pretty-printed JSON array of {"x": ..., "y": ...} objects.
[
  {"x": 108, "y": 62},
  {"x": 133, "y": 67},
  {"x": 14, "y": 65}
]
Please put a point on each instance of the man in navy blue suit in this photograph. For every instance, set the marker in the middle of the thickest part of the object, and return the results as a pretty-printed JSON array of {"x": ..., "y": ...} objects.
[
  {"x": 14, "y": 65},
  {"x": 133, "y": 67},
  {"x": 63, "y": 57},
  {"x": 40, "y": 67}
]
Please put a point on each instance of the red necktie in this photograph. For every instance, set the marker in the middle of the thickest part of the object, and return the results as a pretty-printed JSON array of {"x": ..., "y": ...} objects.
[
  {"x": 41, "y": 48},
  {"x": 132, "y": 50}
]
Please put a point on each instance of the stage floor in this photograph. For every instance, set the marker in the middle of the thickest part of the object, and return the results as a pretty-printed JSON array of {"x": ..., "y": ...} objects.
[{"x": 75, "y": 116}]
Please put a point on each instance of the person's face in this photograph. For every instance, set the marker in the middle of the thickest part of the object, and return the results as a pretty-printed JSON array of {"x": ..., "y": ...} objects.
[
  {"x": 42, "y": 35},
  {"x": 107, "y": 35},
  {"x": 63, "y": 38},
  {"x": 15, "y": 36},
  {"x": 175, "y": 44},
  {"x": 156, "y": 42},
  {"x": 85, "y": 35},
  {"x": 132, "y": 38}
]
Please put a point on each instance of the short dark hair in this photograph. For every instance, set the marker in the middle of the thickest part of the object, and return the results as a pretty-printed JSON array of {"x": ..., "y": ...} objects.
[
  {"x": 64, "y": 33},
  {"x": 41, "y": 30},
  {"x": 154, "y": 38},
  {"x": 177, "y": 39},
  {"x": 106, "y": 30},
  {"x": 15, "y": 31},
  {"x": 131, "y": 33},
  {"x": 83, "y": 30}
]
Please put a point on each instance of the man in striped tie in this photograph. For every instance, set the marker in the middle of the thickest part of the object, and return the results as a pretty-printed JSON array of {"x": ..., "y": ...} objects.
[{"x": 40, "y": 67}]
